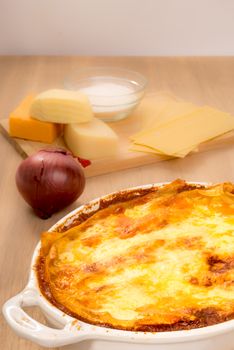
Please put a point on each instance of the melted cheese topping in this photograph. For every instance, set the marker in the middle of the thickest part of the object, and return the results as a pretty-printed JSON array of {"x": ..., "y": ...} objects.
[{"x": 163, "y": 261}]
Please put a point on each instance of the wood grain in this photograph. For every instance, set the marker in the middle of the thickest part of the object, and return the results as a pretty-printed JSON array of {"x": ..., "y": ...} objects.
[{"x": 200, "y": 80}]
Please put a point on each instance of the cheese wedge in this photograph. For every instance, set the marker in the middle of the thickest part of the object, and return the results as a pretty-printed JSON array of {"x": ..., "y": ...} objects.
[
  {"x": 21, "y": 125},
  {"x": 193, "y": 128},
  {"x": 91, "y": 140},
  {"x": 62, "y": 106}
]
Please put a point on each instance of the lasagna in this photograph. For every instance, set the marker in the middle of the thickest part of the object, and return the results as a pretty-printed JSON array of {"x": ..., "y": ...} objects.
[{"x": 156, "y": 259}]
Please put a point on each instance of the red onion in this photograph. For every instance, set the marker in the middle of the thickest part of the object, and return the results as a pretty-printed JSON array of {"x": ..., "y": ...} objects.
[{"x": 49, "y": 180}]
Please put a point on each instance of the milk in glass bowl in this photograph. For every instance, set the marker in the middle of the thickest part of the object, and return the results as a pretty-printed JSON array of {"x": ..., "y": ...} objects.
[{"x": 113, "y": 92}]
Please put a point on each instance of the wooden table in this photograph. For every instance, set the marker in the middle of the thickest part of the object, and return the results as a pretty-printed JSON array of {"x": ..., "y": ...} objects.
[{"x": 201, "y": 80}]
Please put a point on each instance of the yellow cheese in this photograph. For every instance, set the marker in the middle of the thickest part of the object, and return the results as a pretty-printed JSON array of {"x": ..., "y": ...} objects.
[
  {"x": 62, "y": 106},
  {"x": 91, "y": 140},
  {"x": 157, "y": 259},
  {"x": 23, "y": 126},
  {"x": 199, "y": 126}
]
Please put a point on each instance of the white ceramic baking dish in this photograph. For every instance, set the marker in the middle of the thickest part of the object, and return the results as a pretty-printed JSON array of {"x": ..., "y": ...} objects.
[{"x": 74, "y": 334}]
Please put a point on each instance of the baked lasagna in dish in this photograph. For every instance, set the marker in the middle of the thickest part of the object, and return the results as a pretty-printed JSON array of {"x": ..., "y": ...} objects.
[{"x": 156, "y": 259}]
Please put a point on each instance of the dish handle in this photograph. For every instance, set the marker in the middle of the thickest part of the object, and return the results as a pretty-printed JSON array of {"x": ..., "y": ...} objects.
[{"x": 28, "y": 328}]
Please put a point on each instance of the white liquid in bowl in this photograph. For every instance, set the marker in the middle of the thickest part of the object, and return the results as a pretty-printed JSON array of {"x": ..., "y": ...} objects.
[{"x": 112, "y": 100}]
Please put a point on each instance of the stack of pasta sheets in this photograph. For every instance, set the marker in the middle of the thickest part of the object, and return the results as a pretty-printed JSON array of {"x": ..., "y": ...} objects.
[{"x": 173, "y": 127}]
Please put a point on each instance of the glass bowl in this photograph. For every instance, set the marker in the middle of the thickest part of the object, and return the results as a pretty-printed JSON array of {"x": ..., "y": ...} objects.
[{"x": 113, "y": 92}]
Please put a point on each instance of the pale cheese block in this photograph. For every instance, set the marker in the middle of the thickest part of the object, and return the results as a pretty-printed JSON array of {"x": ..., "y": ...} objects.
[
  {"x": 91, "y": 140},
  {"x": 192, "y": 129},
  {"x": 62, "y": 106}
]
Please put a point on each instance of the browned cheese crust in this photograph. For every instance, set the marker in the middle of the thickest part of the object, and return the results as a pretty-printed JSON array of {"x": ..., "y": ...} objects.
[{"x": 156, "y": 259}]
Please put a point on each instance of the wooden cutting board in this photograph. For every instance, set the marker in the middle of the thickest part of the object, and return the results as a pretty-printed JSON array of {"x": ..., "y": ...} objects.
[{"x": 124, "y": 160}]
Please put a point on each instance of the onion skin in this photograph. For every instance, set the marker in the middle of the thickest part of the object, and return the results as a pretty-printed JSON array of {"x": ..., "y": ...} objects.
[{"x": 50, "y": 180}]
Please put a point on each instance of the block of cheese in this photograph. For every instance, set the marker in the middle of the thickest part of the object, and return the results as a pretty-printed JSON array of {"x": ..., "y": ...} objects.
[
  {"x": 187, "y": 131},
  {"x": 91, "y": 140},
  {"x": 62, "y": 106},
  {"x": 23, "y": 126}
]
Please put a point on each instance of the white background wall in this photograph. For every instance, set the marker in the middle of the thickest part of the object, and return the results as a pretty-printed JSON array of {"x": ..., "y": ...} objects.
[{"x": 117, "y": 27}]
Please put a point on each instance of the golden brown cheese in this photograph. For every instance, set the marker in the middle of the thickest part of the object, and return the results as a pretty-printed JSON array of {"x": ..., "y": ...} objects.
[{"x": 161, "y": 261}]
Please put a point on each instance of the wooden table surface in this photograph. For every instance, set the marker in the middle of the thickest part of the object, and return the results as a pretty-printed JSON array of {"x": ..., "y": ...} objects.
[{"x": 200, "y": 80}]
